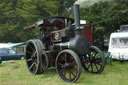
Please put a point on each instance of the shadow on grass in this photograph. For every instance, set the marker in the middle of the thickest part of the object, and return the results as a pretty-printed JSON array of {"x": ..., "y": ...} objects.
[{"x": 51, "y": 71}]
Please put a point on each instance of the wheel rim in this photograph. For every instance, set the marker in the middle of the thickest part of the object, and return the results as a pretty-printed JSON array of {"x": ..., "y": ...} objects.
[
  {"x": 43, "y": 56},
  {"x": 32, "y": 57},
  {"x": 68, "y": 67},
  {"x": 44, "y": 60},
  {"x": 94, "y": 61}
]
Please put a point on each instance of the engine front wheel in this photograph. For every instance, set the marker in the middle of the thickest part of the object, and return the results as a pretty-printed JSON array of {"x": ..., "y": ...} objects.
[{"x": 68, "y": 65}]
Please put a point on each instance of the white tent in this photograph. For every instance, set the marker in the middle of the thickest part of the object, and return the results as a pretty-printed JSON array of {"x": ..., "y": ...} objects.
[{"x": 8, "y": 45}]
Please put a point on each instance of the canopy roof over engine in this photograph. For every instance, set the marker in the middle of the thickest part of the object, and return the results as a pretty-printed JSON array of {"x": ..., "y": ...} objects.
[{"x": 51, "y": 21}]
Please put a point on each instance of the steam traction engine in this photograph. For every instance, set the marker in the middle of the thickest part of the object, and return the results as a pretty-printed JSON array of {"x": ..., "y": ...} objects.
[{"x": 61, "y": 44}]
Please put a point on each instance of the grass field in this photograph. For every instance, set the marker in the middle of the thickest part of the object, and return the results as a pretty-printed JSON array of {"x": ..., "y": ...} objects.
[{"x": 17, "y": 74}]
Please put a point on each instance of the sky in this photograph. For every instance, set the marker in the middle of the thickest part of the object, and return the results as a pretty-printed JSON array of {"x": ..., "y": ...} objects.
[{"x": 91, "y": 2}]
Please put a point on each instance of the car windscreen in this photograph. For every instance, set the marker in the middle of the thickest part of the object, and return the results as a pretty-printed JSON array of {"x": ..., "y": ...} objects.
[
  {"x": 119, "y": 42},
  {"x": 11, "y": 51}
]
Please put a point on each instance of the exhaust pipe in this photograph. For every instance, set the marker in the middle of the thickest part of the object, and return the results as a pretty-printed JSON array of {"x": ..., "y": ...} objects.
[{"x": 77, "y": 18}]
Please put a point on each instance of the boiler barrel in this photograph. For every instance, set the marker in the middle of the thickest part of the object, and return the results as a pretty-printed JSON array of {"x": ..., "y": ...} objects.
[
  {"x": 61, "y": 46},
  {"x": 79, "y": 44}
]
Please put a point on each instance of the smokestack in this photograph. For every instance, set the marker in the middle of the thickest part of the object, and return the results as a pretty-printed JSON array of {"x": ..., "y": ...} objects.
[{"x": 77, "y": 17}]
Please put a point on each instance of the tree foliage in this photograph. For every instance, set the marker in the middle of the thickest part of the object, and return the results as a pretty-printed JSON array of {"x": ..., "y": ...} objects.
[
  {"x": 15, "y": 14},
  {"x": 106, "y": 17}
]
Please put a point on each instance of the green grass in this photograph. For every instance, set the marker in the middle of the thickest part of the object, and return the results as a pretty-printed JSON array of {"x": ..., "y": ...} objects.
[{"x": 18, "y": 74}]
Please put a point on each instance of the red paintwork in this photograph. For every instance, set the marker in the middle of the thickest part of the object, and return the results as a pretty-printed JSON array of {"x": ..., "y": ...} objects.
[{"x": 87, "y": 32}]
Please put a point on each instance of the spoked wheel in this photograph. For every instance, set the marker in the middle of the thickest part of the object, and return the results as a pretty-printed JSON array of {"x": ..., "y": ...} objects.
[
  {"x": 68, "y": 65},
  {"x": 94, "y": 60},
  {"x": 33, "y": 56},
  {"x": 43, "y": 55}
]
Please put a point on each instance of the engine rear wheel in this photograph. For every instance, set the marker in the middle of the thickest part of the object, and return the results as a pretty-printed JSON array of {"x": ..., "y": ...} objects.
[
  {"x": 34, "y": 55},
  {"x": 93, "y": 61},
  {"x": 68, "y": 65},
  {"x": 43, "y": 55}
]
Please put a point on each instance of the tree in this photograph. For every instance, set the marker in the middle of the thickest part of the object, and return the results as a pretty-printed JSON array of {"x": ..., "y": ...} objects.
[
  {"x": 64, "y": 7},
  {"x": 106, "y": 17},
  {"x": 15, "y": 14}
]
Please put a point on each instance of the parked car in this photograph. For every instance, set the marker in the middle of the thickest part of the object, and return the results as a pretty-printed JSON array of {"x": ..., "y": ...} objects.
[{"x": 14, "y": 53}]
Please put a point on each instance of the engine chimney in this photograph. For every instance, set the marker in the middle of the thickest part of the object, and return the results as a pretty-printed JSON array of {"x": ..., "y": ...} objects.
[{"x": 77, "y": 18}]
